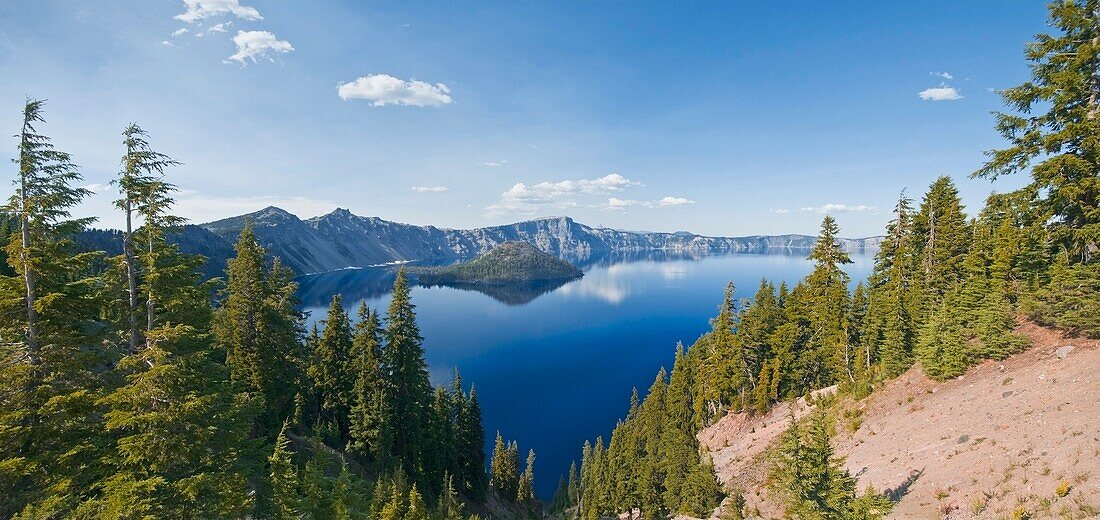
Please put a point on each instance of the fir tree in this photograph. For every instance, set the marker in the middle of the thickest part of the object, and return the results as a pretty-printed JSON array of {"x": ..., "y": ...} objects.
[
  {"x": 1055, "y": 124},
  {"x": 283, "y": 480},
  {"x": 143, "y": 192},
  {"x": 51, "y": 380},
  {"x": 331, "y": 375},
  {"x": 942, "y": 349},
  {"x": 369, "y": 423},
  {"x": 828, "y": 354},
  {"x": 525, "y": 491},
  {"x": 259, "y": 329},
  {"x": 410, "y": 390}
]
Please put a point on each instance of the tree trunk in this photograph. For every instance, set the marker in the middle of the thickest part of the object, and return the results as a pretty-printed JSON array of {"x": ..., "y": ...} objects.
[
  {"x": 150, "y": 302},
  {"x": 29, "y": 276},
  {"x": 131, "y": 271}
]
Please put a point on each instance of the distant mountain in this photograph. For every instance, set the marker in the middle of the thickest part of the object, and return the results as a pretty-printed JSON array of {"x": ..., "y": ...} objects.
[
  {"x": 340, "y": 239},
  {"x": 503, "y": 264}
]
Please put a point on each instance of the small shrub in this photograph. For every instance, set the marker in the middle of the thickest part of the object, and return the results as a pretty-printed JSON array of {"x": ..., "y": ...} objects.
[{"x": 1063, "y": 489}]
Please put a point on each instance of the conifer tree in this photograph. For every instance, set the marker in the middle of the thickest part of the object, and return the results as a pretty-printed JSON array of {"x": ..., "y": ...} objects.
[
  {"x": 144, "y": 193},
  {"x": 1051, "y": 133},
  {"x": 50, "y": 380},
  {"x": 889, "y": 328},
  {"x": 283, "y": 480},
  {"x": 720, "y": 370},
  {"x": 942, "y": 349},
  {"x": 503, "y": 469},
  {"x": 369, "y": 424},
  {"x": 471, "y": 448},
  {"x": 331, "y": 374},
  {"x": 449, "y": 507},
  {"x": 410, "y": 390},
  {"x": 259, "y": 329},
  {"x": 940, "y": 240},
  {"x": 525, "y": 491},
  {"x": 828, "y": 355},
  {"x": 814, "y": 480}
]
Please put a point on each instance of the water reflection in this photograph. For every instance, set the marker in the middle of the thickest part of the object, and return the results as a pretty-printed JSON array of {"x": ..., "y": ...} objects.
[{"x": 602, "y": 278}]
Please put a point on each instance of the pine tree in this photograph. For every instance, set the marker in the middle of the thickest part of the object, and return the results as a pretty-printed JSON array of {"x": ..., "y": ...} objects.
[
  {"x": 525, "y": 491},
  {"x": 814, "y": 480},
  {"x": 1055, "y": 125},
  {"x": 187, "y": 449},
  {"x": 332, "y": 373},
  {"x": 573, "y": 484},
  {"x": 410, "y": 390},
  {"x": 720, "y": 372},
  {"x": 51, "y": 381},
  {"x": 283, "y": 480},
  {"x": 940, "y": 240},
  {"x": 369, "y": 423},
  {"x": 449, "y": 507},
  {"x": 143, "y": 192},
  {"x": 418, "y": 509},
  {"x": 471, "y": 448},
  {"x": 828, "y": 355},
  {"x": 503, "y": 469},
  {"x": 942, "y": 349},
  {"x": 259, "y": 329}
]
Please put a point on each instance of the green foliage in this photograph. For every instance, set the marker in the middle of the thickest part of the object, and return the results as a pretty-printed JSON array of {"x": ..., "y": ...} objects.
[
  {"x": 814, "y": 481},
  {"x": 258, "y": 328},
  {"x": 504, "y": 263},
  {"x": 197, "y": 412}
]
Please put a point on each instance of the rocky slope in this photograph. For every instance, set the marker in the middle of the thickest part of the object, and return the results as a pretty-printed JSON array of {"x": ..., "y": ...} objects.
[
  {"x": 994, "y": 443},
  {"x": 341, "y": 239}
]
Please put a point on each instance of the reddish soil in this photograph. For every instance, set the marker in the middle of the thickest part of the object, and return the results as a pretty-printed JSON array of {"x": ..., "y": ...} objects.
[{"x": 1008, "y": 438}]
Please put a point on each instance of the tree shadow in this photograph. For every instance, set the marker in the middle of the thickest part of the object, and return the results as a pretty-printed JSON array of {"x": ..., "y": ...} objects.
[{"x": 895, "y": 494}]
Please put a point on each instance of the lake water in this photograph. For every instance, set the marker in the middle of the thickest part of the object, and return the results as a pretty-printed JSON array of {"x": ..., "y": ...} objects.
[{"x": 555, "y": 365}]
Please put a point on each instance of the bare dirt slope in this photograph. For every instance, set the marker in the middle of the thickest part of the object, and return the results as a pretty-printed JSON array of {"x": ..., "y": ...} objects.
[{"x": 1007, "y": 438}]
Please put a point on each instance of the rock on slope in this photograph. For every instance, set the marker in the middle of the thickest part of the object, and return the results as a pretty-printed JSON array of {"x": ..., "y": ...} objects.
[{"x": 1004, "y": 436}]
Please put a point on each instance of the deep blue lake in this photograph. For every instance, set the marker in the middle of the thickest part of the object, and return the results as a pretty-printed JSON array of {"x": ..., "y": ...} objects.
[{"x": 554, "y": 366}]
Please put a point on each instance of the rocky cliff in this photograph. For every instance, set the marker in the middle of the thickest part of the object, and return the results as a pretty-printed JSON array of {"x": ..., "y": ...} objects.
[{"x": 340, "y": 239}]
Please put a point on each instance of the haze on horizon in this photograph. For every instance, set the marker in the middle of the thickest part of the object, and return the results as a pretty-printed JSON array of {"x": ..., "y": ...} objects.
[{"x": 721, "y": 119}]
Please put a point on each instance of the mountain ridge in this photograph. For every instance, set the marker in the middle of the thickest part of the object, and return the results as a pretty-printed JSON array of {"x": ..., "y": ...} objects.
[{"x": 341, "y": 239}]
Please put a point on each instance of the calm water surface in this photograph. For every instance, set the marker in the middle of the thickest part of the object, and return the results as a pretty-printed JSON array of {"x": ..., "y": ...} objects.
[{"x": 555, "y": 365}]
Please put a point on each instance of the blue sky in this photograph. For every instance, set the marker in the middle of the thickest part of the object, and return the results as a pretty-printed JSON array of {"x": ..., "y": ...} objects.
[{"x": 725, "y": 118}]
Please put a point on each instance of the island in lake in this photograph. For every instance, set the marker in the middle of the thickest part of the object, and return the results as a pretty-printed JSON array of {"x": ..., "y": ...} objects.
[{"x": 507, "y": 263}]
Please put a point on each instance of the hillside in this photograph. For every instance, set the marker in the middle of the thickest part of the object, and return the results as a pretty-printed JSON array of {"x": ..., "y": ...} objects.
[
  {"x": 341, "y": 239},
  {"x": 1004, "y": 435},
  {"x": 506, "y": 263}
]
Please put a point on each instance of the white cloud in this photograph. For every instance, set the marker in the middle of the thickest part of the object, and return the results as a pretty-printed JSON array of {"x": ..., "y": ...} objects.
[
  {"x": 220, "y": 27},
  {"x": 97, "y": 187},
  {"x": 944, "y": 75},
  {"x": 256, "y": 45},
  {"x": 838, "y": 208},
  {"x": 617, "y": 204},
  {"x": 383, "y": 89},
  {"x": 166, "y": 43},
  {"x": 180, "y": 31},
  {"x": 779, "y": 211},
  {"x": 430, "y": 189},
  {"x": 940, "y": 93},
  {"x": 521, "y": 198},
  {"x": 202, "y": 9},
  {"x": 674, "y": 201},
  {"x": 494, "y": 164}
]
